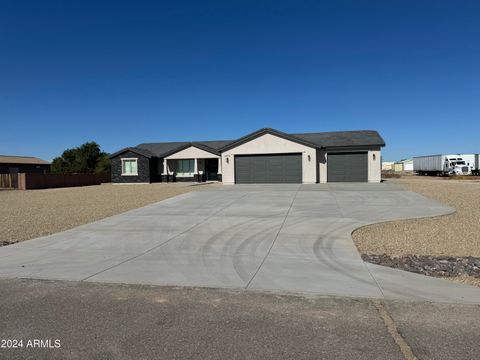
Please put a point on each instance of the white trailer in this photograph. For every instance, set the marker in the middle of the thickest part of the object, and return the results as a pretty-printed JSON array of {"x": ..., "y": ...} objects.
[
  {"x": 441, "y": 165},
  {"x": 472, "y": 160}
]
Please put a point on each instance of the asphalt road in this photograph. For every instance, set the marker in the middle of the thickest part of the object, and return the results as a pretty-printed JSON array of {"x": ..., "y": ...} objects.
[{"x": 108, "y": 321}]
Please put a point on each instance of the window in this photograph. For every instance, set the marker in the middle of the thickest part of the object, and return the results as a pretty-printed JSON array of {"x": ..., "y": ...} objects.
[
  {"x": 185, "y": 167},
  {"x": 129, "y": 167}
]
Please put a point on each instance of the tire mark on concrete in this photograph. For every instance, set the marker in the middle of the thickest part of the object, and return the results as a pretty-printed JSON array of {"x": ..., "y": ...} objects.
[
  {"x": 167, "y": 241},
  {"x": 274, "y": 240}
]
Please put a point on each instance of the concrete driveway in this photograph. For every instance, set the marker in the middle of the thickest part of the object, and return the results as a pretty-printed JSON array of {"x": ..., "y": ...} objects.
[{"x": 288, "y": 238}]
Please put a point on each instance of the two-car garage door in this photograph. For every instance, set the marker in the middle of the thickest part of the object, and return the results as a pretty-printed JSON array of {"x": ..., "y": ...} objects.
[{"x": 268, "y": 169}]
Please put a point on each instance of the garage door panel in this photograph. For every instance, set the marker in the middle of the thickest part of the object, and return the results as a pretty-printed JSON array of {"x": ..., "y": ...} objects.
[
  {"x": 294, "y": 173},
  {"x": 268, "y": 169},
  {"x": 258, "y": 166},
  {"x": 242, "y": 171},
  {"x": 347, "y": 167},
  {"x": 275, "y": 170}
]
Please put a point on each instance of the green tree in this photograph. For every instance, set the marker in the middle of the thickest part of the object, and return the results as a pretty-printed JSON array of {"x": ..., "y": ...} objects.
[
  {"x": 87, "y": 158},
  {"x": 103, "y": 164},
  {"x": 58, "y": 165}
]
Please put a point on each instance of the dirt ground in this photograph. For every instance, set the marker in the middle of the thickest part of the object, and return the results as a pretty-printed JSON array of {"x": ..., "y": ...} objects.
[
  {"x": 455, "y": 235},
  {"x": 29, "y": 214}
]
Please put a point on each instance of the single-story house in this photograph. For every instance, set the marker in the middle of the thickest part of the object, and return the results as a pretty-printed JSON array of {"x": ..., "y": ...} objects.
[
  {"x": 264, "y": 156},
  {"x": 10, "y": 164}
]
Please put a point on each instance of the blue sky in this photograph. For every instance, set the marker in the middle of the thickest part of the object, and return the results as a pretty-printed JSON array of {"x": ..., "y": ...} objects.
[{"x": 122, "y": 73}]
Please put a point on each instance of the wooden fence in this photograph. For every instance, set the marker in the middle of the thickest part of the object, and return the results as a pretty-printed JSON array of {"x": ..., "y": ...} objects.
[
  {"x": 26, "y": 181},
  {"x": 9, "y": 181}
]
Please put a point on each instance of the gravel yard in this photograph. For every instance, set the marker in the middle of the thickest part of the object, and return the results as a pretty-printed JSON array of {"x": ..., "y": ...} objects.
[
  {"x": 29, "y": 214},
  {"x": 453, "y": 235}
]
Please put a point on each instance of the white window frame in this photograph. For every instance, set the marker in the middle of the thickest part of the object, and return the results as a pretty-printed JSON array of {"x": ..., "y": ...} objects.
[
  {"x": 186, "y": 174},
  {"x": 129, "y": 159}
]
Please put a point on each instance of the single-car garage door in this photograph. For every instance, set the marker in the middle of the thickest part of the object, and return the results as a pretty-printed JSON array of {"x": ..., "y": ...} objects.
[
  {"x": 268, "y": 169},
  {"x": 347, "y": 167}
]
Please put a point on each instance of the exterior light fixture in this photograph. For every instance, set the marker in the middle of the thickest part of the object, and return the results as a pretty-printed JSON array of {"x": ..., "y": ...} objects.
[
  {"x": 308, "y": 157},
  {"x": 374, "y": 157}
]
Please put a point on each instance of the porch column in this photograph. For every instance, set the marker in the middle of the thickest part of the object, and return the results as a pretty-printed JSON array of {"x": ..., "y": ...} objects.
[
  {"x": 195, "y": 169},
  {"x": 219, "y": 172},
  {"x": 165, "y": 171},
  {"x": 165, "y": 168}
]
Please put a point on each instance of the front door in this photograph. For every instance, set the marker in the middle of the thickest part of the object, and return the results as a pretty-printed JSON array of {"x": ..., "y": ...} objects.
[{"x": 211, "y": 169}]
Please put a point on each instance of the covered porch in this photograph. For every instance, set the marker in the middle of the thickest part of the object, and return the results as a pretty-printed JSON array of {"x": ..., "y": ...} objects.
[
  {"x": 191, "y": 170},
  {"x": 191, "y": 163}
]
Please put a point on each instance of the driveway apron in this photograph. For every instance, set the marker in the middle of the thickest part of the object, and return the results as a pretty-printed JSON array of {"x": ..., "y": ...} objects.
[{"x": 282, "y": 238}]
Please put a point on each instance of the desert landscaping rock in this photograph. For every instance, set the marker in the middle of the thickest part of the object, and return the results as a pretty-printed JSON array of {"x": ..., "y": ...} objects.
[
  {"x": 453, "y": 235},
  {"x": 440, "y": 266}
]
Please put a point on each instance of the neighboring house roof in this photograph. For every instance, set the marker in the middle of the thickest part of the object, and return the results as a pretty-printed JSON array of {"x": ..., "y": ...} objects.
[
  {"x": 30, "y": 160},
  {"x": 316, "y": 140}
]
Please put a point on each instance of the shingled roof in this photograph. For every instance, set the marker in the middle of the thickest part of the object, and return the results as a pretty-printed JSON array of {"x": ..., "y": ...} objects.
[
  {"x": 343, "y": 138},
  {"x": 163, "y": 149},
  {"x": 30, "y": 160},
  {"x": 319, "y": 140},
  {"x": 136, "y": 150}
]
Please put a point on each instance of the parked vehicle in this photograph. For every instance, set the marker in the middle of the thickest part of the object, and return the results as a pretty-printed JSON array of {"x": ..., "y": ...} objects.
[
  {"x": 443, "y": 165},
  {"x": 472, "y": 160}
]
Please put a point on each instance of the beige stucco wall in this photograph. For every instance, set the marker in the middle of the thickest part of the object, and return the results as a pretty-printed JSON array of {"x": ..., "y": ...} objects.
[
  {"x": 270, "y": 144},
  {"x": 374, "y": 166},
  {"x": 322, "y": 166},
  {"x": 191, "y": 153}
]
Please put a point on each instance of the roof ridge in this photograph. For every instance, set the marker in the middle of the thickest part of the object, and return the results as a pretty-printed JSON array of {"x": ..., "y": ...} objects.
[
  {"x": 333, "y": 132},
  {"x": 183, "y": 142},
  {"x": 23, "y": 156}
]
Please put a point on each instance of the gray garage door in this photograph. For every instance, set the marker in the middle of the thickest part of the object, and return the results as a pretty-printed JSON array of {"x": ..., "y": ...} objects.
[
  {"x": 268, "y": 169},
  {"x": 347, "y": 167}
]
